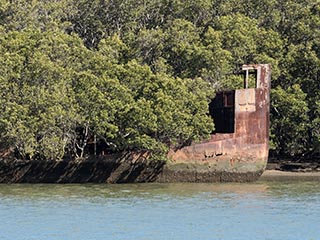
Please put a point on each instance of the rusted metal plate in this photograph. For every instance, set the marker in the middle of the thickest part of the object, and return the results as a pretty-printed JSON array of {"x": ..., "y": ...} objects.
[{"x": 245, "y": 100}]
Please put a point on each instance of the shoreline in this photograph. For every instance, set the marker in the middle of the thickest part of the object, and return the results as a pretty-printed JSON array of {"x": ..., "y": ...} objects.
[
  {"x": 285, "y": 169},
  {"x": 277, "y": 175}
]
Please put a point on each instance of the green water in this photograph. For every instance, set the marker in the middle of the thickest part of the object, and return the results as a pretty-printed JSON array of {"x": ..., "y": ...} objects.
[{"x": 262, "y": 210}]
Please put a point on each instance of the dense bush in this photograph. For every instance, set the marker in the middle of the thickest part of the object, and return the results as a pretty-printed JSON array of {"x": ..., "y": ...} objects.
[{"x": 139, "y": 74}]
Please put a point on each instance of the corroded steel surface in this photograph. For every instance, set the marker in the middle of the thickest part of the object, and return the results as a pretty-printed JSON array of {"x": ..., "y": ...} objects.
[{"x": 245, "y": 149}]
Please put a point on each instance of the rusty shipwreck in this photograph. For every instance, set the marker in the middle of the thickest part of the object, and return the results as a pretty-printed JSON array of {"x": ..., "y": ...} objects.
[{"x": 238, "y": 149}]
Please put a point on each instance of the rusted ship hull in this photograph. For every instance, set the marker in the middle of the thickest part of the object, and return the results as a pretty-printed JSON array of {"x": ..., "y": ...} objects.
[{"x": 238, "y": 150}]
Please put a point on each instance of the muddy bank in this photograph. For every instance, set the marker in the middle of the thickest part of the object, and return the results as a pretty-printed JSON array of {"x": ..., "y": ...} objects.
[
  {"x": 276, "y": 175},
  {"x": 294, "y": 166},
  {"x": 286, "y": 169}
]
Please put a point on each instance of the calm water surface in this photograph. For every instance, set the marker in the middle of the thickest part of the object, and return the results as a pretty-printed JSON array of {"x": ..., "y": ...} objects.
[{"x": 263, "y": 210}]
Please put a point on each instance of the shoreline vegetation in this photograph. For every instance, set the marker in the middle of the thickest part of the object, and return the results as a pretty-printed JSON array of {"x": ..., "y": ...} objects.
[{"x": 90, "y": 78}]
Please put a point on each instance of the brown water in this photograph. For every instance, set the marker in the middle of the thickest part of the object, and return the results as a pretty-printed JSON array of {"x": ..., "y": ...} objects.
[{"x": 262, "y": 210}]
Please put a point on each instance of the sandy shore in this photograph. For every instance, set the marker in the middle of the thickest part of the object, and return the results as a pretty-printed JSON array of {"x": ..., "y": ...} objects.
[{"x": 275, "y": 175}]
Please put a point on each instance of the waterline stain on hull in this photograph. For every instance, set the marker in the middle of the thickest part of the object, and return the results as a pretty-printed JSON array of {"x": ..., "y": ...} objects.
[{"x": 106, "y": 170}]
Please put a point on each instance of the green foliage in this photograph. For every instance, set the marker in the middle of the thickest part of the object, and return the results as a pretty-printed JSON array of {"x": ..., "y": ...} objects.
[
  {"x": 52, "y": 86},
  {"x": 289, "y": 117},
  {"x": 132, "y": 108},
  {"x": 38, "y": 110},
  {"x": 45, "y": 14},
  {"x": 139, "y": 74},
  {"x": 315, "y": 128}
]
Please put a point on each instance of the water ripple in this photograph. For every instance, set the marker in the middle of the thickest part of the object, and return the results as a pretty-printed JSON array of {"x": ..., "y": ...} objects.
[{"x": 265, "y": 210}]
